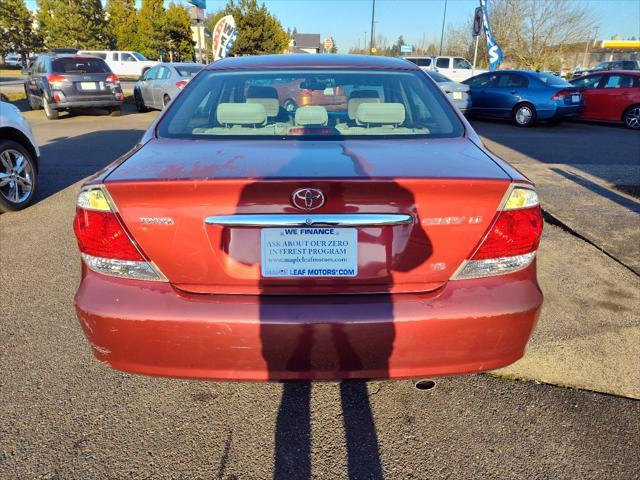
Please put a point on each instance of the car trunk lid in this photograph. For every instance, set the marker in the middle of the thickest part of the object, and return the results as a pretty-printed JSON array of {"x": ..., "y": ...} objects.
[{"x": 447, "y": 191}]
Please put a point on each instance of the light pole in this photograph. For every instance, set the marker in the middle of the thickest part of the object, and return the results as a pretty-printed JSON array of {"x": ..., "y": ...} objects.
[
  {"x": 444, "y": 16},
  {"x": 373, "y": 15},
  {"x": 364, "y": 45}
]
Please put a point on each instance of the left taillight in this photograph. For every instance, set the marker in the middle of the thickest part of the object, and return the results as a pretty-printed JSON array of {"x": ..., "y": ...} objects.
[
  {"x": 56, "y": 80},
  {"x": 181, "y": 84},
  {"x": 113, "y": 79},
  {"x": 104, "y": 243},
  {"x": 511, "y": 242}
]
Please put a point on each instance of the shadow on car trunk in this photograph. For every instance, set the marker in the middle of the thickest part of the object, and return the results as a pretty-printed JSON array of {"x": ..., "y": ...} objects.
[{"x": 345, "y": 341}]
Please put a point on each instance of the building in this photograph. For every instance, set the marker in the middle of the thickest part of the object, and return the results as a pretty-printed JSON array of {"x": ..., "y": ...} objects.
[{"x": 305, "y": 43}]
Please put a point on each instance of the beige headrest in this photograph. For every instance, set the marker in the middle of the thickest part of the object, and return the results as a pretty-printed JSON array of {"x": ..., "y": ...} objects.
[
  {"x": 354, "y": 103},
  {"x": 311, "y": 115},
  {"x": 380, "y": 113},
  {"x": 271, "y": 105},
  {"x": 241, "y": 114}
]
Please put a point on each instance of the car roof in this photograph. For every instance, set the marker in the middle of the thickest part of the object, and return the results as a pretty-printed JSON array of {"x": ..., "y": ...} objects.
[
  {"x": 609, "y": 72},
  {"x": 312, "y": 61}
]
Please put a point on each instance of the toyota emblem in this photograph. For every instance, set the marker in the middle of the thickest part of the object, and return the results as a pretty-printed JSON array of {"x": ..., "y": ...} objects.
[{"x": 308, "y": 198}]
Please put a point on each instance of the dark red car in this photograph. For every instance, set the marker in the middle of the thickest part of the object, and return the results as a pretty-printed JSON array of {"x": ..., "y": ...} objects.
[
  {"x": 612, "y": 96},
  {"x": 242, "y": 241}
]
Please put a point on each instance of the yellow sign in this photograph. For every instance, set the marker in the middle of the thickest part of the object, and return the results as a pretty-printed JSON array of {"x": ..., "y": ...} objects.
[
  {"x": 624, "y": 44},
  {"x": 374, "y": 50}
]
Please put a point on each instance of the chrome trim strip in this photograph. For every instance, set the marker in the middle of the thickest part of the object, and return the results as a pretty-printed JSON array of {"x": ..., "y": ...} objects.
[{"x": 316, "y": 220}]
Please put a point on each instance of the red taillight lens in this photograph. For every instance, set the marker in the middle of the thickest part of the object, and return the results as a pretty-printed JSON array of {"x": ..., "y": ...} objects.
[
  {"x": 100, "y": 234},
  {"x": 515, "y": 232},
  {"x": 181, "y": 83},
  {"x": 55, "y": 79},
  {"x": 113, "y": 79},
  {"x": 562, "y": 94}
]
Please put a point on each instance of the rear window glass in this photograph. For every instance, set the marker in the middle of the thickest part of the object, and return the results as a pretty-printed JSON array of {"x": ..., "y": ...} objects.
[
  {"x": 438, "y": 77},
  {"x": 310, "y": 104},
  {"x": 421, "y": 62},
  {"x": 188, "y": 70},
  {"x": 551, "y": 80},
  {"x": 79, "y": 65}
]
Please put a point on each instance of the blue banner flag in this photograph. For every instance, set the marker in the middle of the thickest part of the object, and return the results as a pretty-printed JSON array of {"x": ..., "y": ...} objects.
[
  {"x": 495, "y": 54},
  {"x": 198, "y": 3}
]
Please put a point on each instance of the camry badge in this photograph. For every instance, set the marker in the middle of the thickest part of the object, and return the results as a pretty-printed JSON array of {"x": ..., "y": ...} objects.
[{"x": 308, "y": 198}]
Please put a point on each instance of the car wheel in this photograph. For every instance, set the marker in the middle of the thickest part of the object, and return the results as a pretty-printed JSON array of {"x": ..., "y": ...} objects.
[
  {"x": 139, "y": 101},
  {"x": 524, "y": 115},
  {"x": 51, "y": 113},
  {"x": 290, "y": 105},
  {"x": 17, "y": 176},
  {"x": 115, "y": 111},
  {"x": 165, "y": 101},
  {"x": 631, "y": 117}
]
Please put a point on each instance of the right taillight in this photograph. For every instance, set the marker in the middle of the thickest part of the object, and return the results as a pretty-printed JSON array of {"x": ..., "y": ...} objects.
[
  {"x": 104, "y": 243},
  {"x": 512, "y": 240}
]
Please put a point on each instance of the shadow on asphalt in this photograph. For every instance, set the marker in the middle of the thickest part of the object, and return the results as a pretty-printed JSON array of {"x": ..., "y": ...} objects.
[
  {"x": 600, "y": 190},
  {"x": 67, "y": 160},
  {"x": 602, "y": 150},
  {"x": 293, "y": 433}
]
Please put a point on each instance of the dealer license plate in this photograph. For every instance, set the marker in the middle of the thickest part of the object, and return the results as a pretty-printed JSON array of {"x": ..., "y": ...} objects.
[
  {"x": 88, "y": 86},
  {"x": 309, "y": 252},
  {"x": 575, "y": 98},
  {"x": 457, "y": 95}
]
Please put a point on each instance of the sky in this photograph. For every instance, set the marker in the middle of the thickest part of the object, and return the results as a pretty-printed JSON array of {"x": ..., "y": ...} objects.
[{"x": 348, "y": 20}]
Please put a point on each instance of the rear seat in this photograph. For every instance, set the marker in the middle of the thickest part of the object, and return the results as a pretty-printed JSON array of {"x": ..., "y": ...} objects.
[
  {"x": 242, "y": 119},
  {"x": 378, "y": 119}
]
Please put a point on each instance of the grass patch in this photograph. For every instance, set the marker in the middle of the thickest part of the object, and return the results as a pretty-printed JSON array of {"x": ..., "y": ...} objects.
[{"x": 7, "y": 71}]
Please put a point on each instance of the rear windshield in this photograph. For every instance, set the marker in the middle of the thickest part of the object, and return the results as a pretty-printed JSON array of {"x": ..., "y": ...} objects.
[
  {"x": 552, "y": 80},
  {"x": 188, "y": 70},
  {"x": 310, "y": 104},
  {"x": 438, "y": 77},
  {"x": 79, "y": 65}
]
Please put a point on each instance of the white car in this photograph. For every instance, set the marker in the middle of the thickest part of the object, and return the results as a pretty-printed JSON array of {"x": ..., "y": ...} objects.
[
  {"x": 19, "y": 157},
  {"x": 123, "y": 63},
  {"x": 13, "y": 60},
  {"x": 457, "y": 69}
]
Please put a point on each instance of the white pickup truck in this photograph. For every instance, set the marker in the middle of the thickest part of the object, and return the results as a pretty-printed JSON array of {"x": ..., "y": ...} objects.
[
  {"x": 123, "y": 63},
  {"x": 457, "y": 69}
]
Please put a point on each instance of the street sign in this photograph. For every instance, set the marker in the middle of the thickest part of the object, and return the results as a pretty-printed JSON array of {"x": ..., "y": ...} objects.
[
  {"x": 198, "y": 3},
  {"x": 477, "y": 22},
  {"x": 406, "y": 48}
]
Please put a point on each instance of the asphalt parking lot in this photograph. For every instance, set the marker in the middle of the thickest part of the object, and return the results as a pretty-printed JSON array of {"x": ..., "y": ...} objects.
[{"x": 66, "y": 416}]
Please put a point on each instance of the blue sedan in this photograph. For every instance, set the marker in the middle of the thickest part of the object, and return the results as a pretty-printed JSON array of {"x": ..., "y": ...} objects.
[{"x": 524, "y": 97}]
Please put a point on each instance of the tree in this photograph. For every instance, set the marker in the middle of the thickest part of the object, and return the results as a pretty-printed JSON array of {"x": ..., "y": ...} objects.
[
  {"x": 535, "y": 34},
  {"x": 259, "y": 32},
  {"x": 73, "y": 23},
  {"x": 150, "y": 25},
  {"x": 334, "y": 48},
  {"x": 176, "y": 28},
  {"x": 123, "y": 24},
  {"x": 16, "y": 25}
]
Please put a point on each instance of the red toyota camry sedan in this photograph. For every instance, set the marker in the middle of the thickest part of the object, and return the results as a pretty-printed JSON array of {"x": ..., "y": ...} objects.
[{"x": 244, "y": 240}]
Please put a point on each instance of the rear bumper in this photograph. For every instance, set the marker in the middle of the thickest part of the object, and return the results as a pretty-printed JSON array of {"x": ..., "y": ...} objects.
[
  {"x": 573, "y": 111},
  {"x": 87, "y": 103},
  {"x": 466, "y": 326}
]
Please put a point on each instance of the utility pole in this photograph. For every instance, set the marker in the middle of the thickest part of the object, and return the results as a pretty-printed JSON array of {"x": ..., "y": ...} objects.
[
  {"x": 444, "y": 16},
  {"x": 373, "y": 15},
  {"x": 364, "y": 45}
]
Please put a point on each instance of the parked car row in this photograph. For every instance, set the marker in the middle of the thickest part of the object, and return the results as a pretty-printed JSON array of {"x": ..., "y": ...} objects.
[{"x": 527, "y": 96}]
